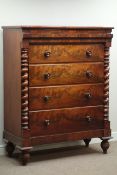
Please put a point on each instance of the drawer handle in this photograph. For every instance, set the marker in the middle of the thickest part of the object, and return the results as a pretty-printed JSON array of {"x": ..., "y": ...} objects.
[
  {"x": 88, "y": 95},
  {"x": 47, "y": 54},
  {"x": 47, "y": 76},
  {"x": 88, "y": 53},
  {"x": 47, "y": 122},
  {"x": 46, "y": 98},
  {"x": 89, "y": 119},
  {"x": 89, "y": 74}
]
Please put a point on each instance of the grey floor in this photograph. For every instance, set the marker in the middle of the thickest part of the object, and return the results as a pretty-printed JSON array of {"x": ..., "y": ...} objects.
[{"x": 77, "y": 161}]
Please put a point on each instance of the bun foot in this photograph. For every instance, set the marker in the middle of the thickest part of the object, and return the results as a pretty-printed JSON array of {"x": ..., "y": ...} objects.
[
  {"x": 87, "y": 142},
  {"x": 25, "y": 157},
  {"x": 10, "y": 147},
  {"x": 105, "y": 146}
]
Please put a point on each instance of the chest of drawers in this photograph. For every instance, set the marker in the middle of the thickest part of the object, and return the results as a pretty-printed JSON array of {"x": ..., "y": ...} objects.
[{"x": 56, "y": 86}]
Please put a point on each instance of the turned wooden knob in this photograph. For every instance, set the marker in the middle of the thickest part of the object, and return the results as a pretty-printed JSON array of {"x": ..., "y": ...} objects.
[
  {"x": 88, "y": 53},
  {"x": 88, "y": 95},
  {"x": 47, "y": 122},
  {"x": 89, "y": 74},
  {"x": 47, "y": 54},
  {"x": 46, "y": 98},
  {"x": 47, "y": 76},
  {"x": 89, "y": 118}
]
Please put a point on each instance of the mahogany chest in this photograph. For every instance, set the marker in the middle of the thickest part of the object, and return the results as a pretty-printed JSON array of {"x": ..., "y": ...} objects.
[{"x": 56, "y": 86}]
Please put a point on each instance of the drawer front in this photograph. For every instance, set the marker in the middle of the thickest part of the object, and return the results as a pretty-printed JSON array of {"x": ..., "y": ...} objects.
[
  {"x": 66, "y": 120},
  {"x": 52, "y": 97},
  {"x": 66, "y": 74},
  {"x": 65, "y": 53}
]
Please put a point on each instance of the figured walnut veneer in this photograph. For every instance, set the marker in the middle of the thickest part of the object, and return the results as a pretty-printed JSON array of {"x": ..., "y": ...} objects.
[{"x": 56, "y": 86}]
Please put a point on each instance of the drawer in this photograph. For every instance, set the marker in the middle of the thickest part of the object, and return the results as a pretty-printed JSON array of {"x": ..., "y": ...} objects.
[
  {"x": 52, "y": 97},
  {"x": 66, "y": 120},
  {"x": 57, "y": 74},
  {"x": 65, "y": 53}
]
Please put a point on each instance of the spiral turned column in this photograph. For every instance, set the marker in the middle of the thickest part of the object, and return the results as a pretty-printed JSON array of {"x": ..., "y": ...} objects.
[
  {"x": 24, "y": 88},
  {"x": 105, "y": 143},
  {"x": 106, "y": 83}
]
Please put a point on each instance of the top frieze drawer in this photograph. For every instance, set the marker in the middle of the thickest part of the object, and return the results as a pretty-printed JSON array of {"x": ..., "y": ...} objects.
[{"x": 66, "y": 53}]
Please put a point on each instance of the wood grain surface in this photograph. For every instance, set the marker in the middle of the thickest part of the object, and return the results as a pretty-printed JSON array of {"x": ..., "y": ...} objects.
[
  {"x": 59, "y": 74},
  {"x": 65, "y": 96},
  {"x": 66, "y": 120},
  {"x": 56, "y": 85},
  {"x": 65, "y": 53}
]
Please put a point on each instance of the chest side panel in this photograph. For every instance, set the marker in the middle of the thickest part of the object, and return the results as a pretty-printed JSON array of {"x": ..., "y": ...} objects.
[{"x": 12, "y": 82}]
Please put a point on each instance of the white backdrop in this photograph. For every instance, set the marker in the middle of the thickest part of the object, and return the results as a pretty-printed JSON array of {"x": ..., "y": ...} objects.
[{"x": 62, "y": 13}]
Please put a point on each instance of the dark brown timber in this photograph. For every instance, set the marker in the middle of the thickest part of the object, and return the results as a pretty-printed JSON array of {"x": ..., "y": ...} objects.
[{"x": 56, "y": 86}]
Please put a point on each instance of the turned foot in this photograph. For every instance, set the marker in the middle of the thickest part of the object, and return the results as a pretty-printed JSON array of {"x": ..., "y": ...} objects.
[
  {"x": 105, "y": 146},
  {"x": 87, "y": 142},
  {"x": 25, "y": 157},
  {"x": 10, "y": 147}
]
